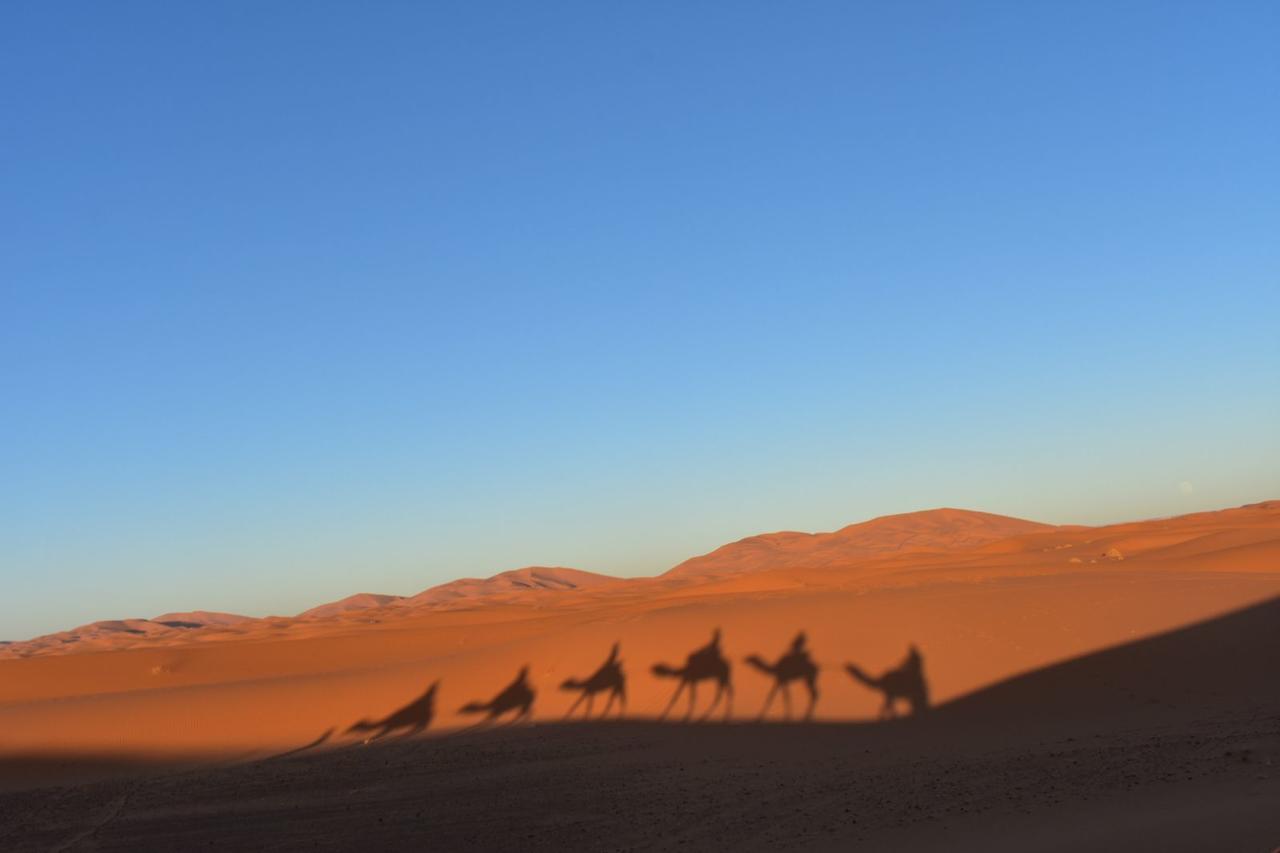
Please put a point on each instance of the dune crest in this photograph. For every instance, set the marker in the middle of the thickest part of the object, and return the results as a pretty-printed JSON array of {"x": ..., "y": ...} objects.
[
  {"x": 528, "y": 579},
  {"x": 936, "y": 530},
  {"x": 352, "y": 603}
]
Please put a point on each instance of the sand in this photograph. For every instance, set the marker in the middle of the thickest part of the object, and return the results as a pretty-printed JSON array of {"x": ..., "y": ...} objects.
[{"x": 170, "y": 741}]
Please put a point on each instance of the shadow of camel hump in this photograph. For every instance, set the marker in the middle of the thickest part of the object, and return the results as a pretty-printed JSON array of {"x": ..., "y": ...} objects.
[
  {"x": 608, "y": 677},
  {"x": 516, "y": 696},
  {"x": 907, "y": 682},
  {"x": 414, "y": 717},
  {"x": 706, "y": 663},
  {"x": 794, "y": 665}
]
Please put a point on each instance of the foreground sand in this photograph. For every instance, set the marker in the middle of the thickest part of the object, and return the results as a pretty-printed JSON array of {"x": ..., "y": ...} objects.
[
  {"x": 167, "y": 745},
  {"x": 1170, "y": 744}
]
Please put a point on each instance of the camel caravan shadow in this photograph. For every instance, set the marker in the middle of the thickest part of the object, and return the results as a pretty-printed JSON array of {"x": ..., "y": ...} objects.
[{"x": 707, "y": 663}]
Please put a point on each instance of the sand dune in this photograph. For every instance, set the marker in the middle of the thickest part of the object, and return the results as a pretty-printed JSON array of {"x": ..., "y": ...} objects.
[
  {"x": 938, "y": 530},
  {"x": 980, "y": 613},
  {"x": 350, "y": 604},
  {"x": 531, "y": 579},
  {"x": 1054, "y": 708},
  {"x": 1164, "y": 743},
  {"x": 202, "y": 618}
]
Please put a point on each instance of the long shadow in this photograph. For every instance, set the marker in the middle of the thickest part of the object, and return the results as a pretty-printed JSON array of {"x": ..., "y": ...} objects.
[
  {"x": 705, "y": 664},
  {"x": 1233, "y": 659},
  {"x": 906, "y": 682},
  {"x": 1229, "y": 664},
  {"x": 608, "y": 677},
  {"x": 794, "y": 665},
  {"x": 517, "y": 696},
  {"x": 414, "y": 718}
]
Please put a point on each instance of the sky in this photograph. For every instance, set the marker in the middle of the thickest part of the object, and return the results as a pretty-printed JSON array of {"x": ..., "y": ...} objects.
[{"x": 304, "y": 299}]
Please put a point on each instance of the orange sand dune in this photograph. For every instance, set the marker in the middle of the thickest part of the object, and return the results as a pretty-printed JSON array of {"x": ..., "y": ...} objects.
[
  {"x": 517, "y": 581},
  {"x": 931, "y": 530},
  {"x": 350, "y": 604},
  {"x": 978, "y": 613},
  {"x": 1167, "y": 743}
]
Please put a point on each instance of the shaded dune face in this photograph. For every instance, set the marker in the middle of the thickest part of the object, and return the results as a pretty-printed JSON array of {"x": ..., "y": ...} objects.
[{"x": 979, "y": 614}]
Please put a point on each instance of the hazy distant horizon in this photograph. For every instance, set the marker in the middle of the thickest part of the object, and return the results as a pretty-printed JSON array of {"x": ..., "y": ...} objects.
[
  {"x": 305, "y": 602},
  {"x": 301, "y": 301}
]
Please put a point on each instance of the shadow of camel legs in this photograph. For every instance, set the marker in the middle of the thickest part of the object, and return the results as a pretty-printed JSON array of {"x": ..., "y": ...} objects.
[
  {"x": 704, "y": 664},
  {"x": 794, "y": 665},
  {"x": 608, "y": 677}
]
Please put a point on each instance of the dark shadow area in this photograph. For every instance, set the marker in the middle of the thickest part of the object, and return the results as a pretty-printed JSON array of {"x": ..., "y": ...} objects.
[
  {"x": 517, "y": 696},
  {"x": 794, "y": 665},
  {"x": 1233, "y": 658},
  {"x": 414, "y": 718},
  {"x": 907, "y": 683},
  {"x": 608, "y": 677},
  {"x": 705, "y": 664}
]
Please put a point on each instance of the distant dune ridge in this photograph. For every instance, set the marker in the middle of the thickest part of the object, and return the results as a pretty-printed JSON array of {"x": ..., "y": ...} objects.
[
  {"x": 359, "y": 601},
  {"x": 1227, "y": 540},
  {"x": 202, "y": 618},
  {"x": 530, "y": 579},
  {"x": 936, "y": 530}
]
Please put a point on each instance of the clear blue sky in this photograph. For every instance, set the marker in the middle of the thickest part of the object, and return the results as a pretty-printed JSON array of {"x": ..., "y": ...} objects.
[{"x": 299, "y": 300}]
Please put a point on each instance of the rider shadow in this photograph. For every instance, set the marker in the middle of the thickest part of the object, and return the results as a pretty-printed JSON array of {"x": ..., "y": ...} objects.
[
  {"x": 414, "y": 718},
  {"x": 705, "y": 664},
  {"x": 517, "y": 696},
  {"x": 906, "y": 682},
  {"x": 608, "y": 677},
  {"x": 794, "y": 665}
]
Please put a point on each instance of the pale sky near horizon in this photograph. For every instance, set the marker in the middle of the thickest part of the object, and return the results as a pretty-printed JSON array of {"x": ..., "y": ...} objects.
[{"x": 299, "y": 300}]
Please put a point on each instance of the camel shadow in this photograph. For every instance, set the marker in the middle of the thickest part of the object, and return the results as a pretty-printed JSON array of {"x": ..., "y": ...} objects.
[
  {"x": 608, "y": 677},
  {"x": 517, "y": 696},
  {"x": 794, "y": 665},
  {"x": 906, "y": 682},
  {"x": 414, "y": 718},
  {"x": 705, "y": 664}
]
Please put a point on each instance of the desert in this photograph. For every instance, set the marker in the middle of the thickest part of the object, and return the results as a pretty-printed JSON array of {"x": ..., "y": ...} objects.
[{"x": 1087, "y": 688}]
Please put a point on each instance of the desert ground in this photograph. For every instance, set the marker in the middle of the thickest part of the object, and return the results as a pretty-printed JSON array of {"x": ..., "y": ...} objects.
[{"x": 1113, "y": 687}]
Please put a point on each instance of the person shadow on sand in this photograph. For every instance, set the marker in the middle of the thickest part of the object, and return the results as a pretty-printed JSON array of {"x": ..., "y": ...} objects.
[
  {"x": 516, "y": 696},
  {"x": 907, "y": 682},
  {"x": 414, "y": 718},
  {"x": 794, "y": 665},
  {"x": 705, "y": 664}
]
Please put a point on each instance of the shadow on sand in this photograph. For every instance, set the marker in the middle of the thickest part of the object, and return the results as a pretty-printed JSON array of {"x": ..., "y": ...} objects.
[
  {"x": 517, "y": 696},
  {"x": 705, "y": 664},
  {"x": 794, "y": 665},
  {"x": 907, "y": 682},
  {"x": 413, "y": 718},
  {"x": 608, "y": 677},
  {"x": 1126, "y": 723}
]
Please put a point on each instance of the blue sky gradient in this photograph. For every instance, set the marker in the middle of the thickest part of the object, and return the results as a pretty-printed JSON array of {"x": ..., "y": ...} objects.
[{"x": 300, "y": 300}]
